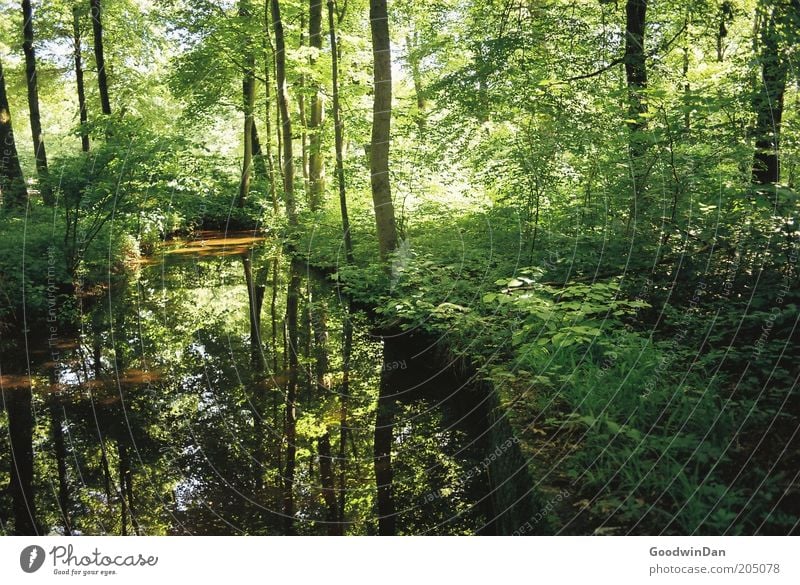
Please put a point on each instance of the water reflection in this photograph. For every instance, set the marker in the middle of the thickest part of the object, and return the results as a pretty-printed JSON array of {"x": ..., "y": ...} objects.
[{"x": 221, "y": 388}]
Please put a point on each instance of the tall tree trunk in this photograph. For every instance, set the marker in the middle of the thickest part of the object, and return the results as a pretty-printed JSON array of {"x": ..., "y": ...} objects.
[
  {"x": 293, "y": 341},
  {"x": 384, "y": 423},
  {"x": 768, "y": 99},
  {"x": 269, "y": 58},
  {"x": 76, "y": 38},
  {"x": 339, "y": 133},
  {"x": 725, "y": 18},
  {"x": 344, "y": 393},
  {"x": 319, "y": 322},
  {"x": 286, "y": 121},
  {"x": 259, "y": 164},
  {"x": 334, "y": 527},
  {"x": 39, "y": 150},
  {"x": 12, "y": 183},
  {"x": 248, "y": 103},
  {"x": 316, "y": 168},
  {"x": 381, "y": 128},
  {"x": 274, "y": 348},
  {"x": 301, "y": 104},
  {"x": 56, "y": 422},
  {"x": 20, "y": 430},
  {"x": 99, "y": 56},
  {"x": 255, "y": 295},
  {"x": 636, "y": 77}
]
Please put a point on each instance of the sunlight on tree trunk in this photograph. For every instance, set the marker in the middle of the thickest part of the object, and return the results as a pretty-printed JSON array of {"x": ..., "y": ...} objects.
[
  {"x": 381, "y": 128},
  {"x": 99, "y": 56},
  {"x": 286, "y": 121},
  {"x": 40, "y": 153},
  {"x": 12, "y": 183}
]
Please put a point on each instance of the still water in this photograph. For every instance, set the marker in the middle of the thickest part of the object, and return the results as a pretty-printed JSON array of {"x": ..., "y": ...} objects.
[{"x": 217, "y": 387}]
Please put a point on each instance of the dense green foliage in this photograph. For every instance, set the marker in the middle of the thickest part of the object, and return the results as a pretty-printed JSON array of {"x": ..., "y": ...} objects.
[{"x": 600, "y": 230}]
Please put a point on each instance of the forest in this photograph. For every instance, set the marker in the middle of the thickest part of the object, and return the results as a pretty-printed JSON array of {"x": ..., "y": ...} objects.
[{"x": 370, "y": 267}]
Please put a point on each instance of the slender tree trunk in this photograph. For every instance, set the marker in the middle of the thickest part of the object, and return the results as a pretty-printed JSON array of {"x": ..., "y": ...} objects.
[
  {"x": 20, "y": 430},
  {"x": 301, "y": 104},
  {"x": 39, "y": 150},
  {"x": 636, "y": 77},
  {"x": 248, "y": 102},
  {"x": 725, "y": 18},
  {"x": 259, "y": 163},
  {"x": 269, "y": 51},
  {"x": 255, "y": 295},
  {"x": 274, "y": 347},
  {"x": 384, "y": 423},
  {"x": 292, "y": 300},
  {"x": 334, "y": 527},
  {"x": 381, "y": 128},
  {"x": 56, "y": 421},
  {"x": 12, "y": 183},
  {"x": 76, "y": 37},
  {"x": 339, "y": 132},
  {"x": 98, "y": 370},
  {"x": 319, "y": 323},
  {"x": 274, "y": 312},
  {"x": 316, "y": 168},
  {"x": 286, "y": 121},
  {"x": 99, "y": 57},
  {"x": 768, "y": 100},
  {"x": 344, "y": 393}
]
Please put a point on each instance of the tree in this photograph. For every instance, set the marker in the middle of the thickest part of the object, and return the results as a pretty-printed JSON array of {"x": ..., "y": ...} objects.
[
  {"x": 381, "y": 128},
  {"x": 79, "y": 83},
  {"x": 286, "y": 120},
  {"x": 316, "y": 168},
  {"x": 778, "y": 32},
  {"x": 339, "y": 133},
  {"x": 12, "y": 183},
  {"x": 249, "y": 102},
  {"x": 20, "y": 429},
  {"x": 293, "y": 342},
  {"x": 99, "y": 56},
  {"x": 636, "y": 76},
  {"x": 382, "y": 456},
  {"x": 318, "y": 313},
  {"x": 39, "y": 150},
  {"x": 59, "y": 447}
]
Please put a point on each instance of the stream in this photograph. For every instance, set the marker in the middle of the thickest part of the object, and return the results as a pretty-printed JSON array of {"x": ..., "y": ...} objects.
[{"x": 220, "y": 388}]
